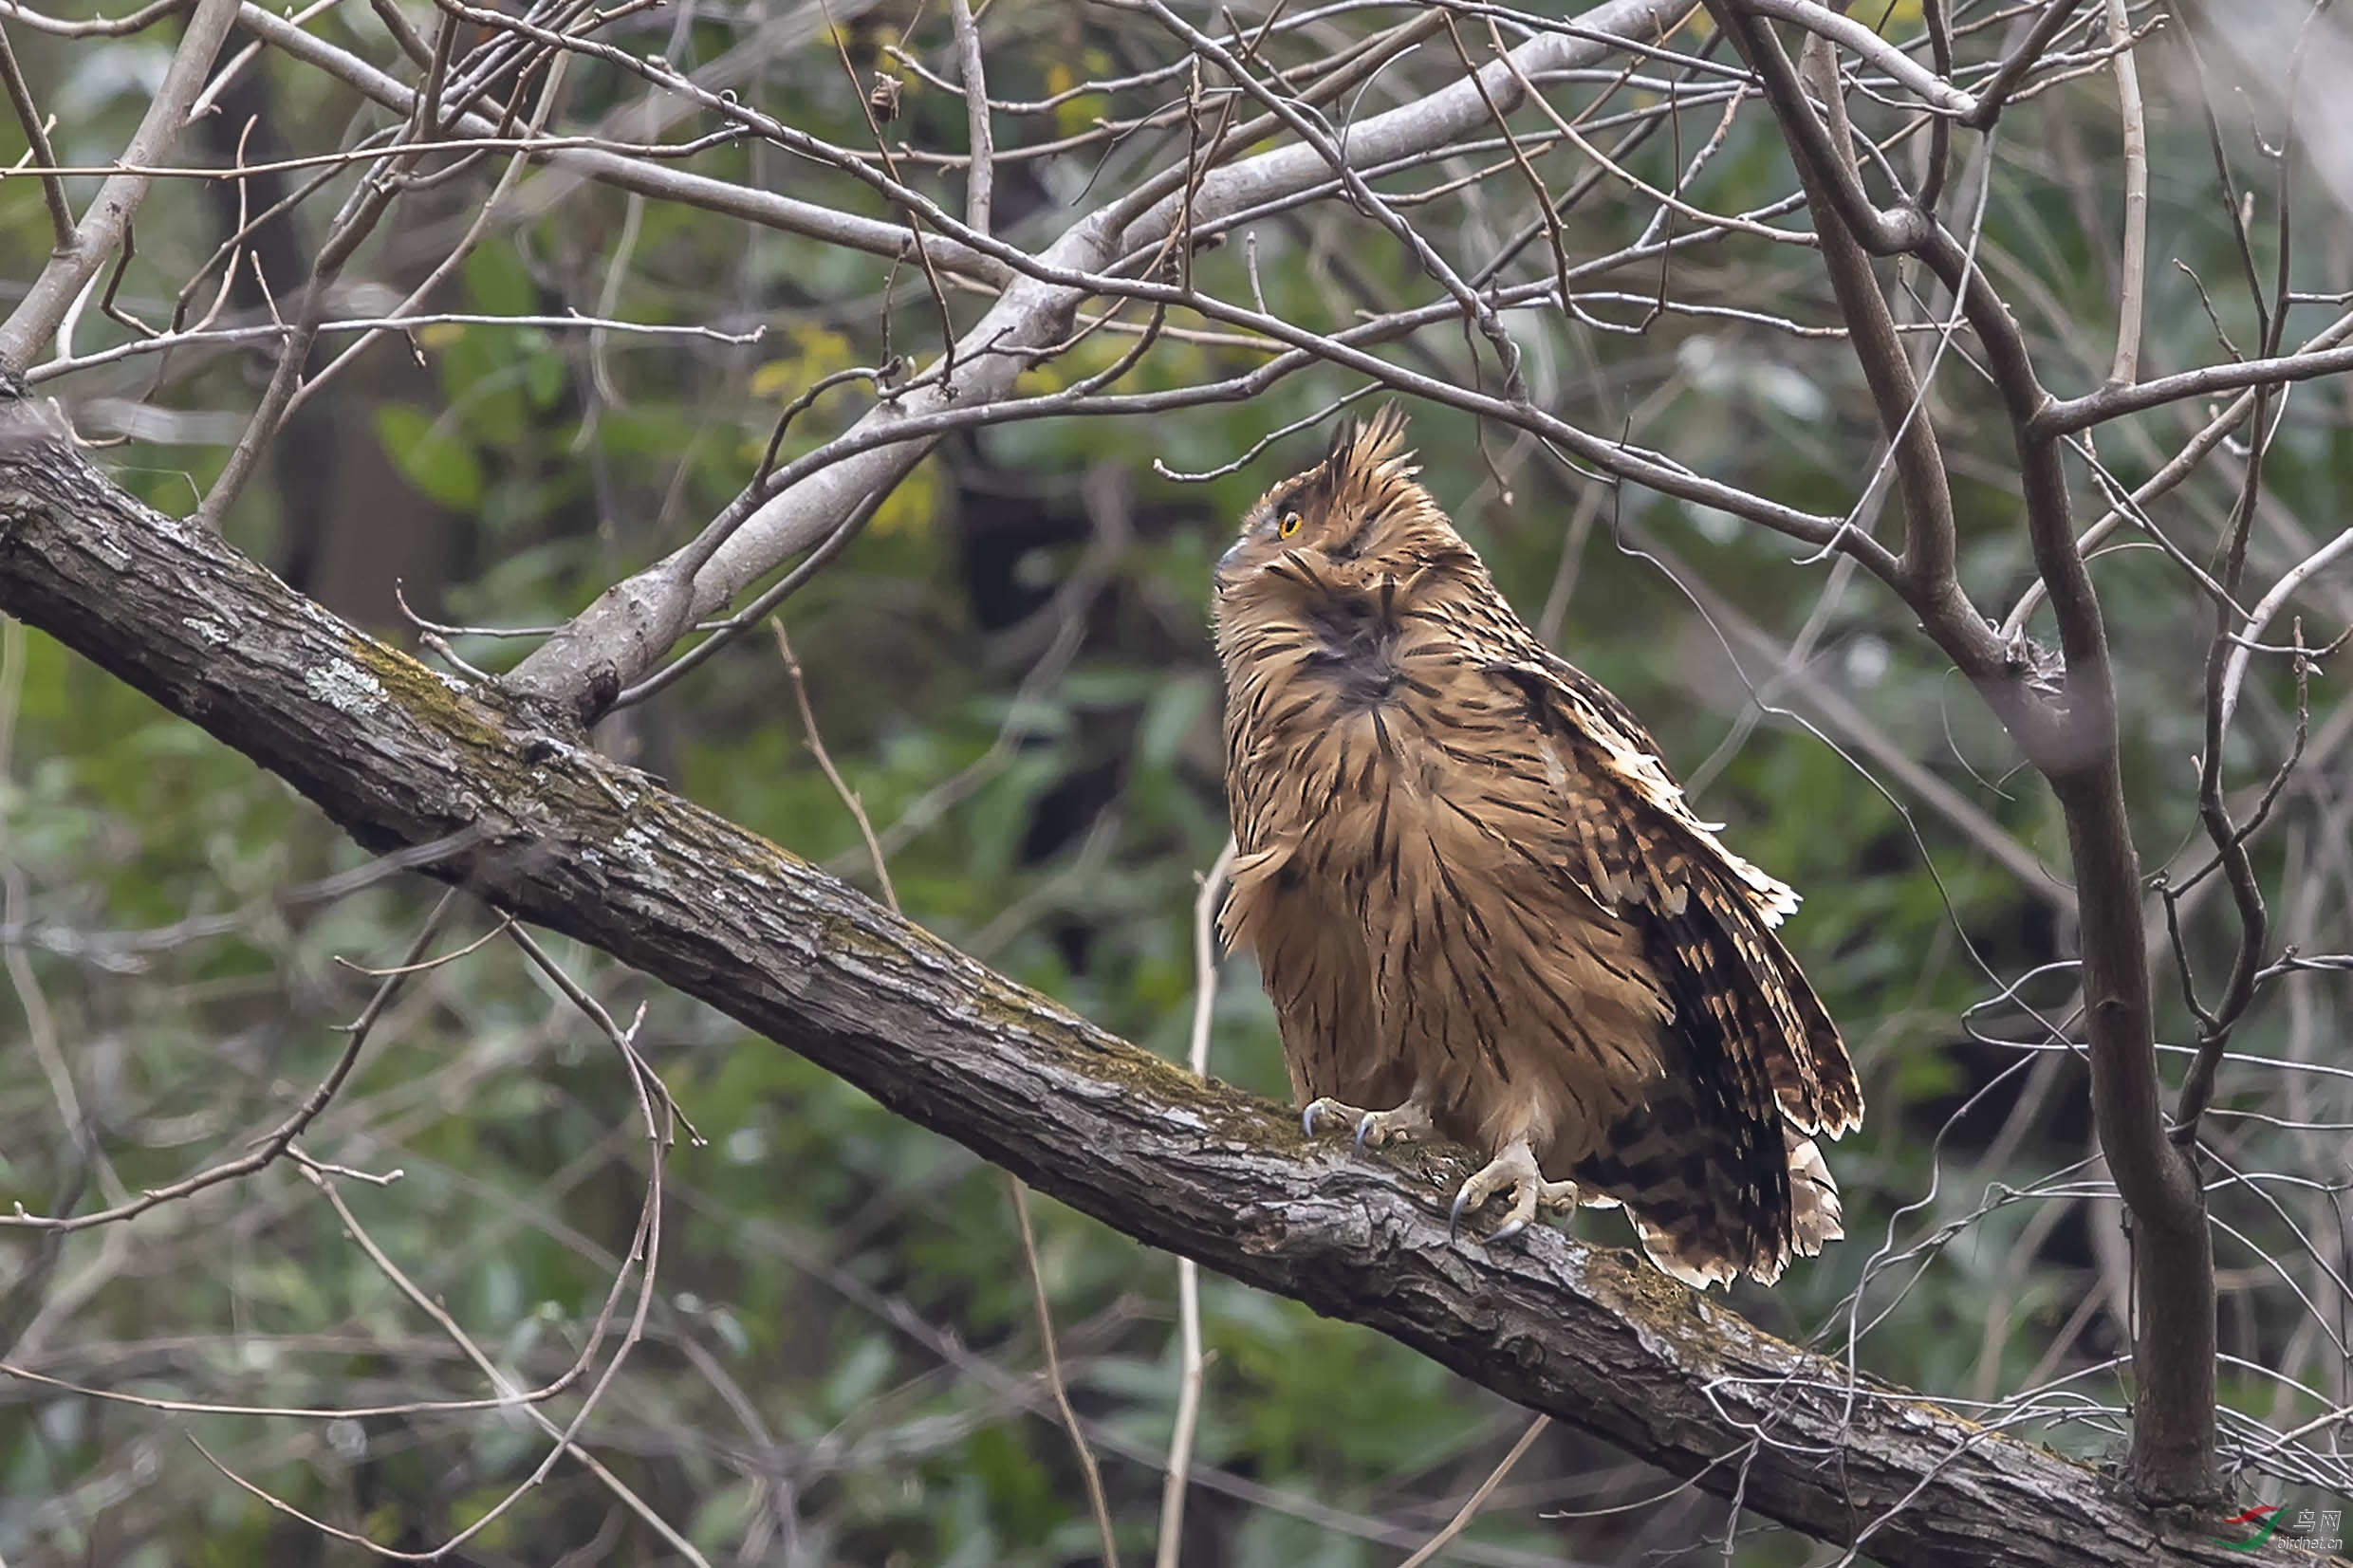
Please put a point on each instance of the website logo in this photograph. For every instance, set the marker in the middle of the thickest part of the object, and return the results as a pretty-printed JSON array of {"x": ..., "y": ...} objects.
[
  {"x": 2266, "y": 1514},
  {"x": 2313, "y": 1530}
]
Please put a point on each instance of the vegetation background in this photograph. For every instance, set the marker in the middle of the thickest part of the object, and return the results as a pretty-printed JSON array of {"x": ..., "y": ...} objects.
[{"x": 1013, "y": 669}]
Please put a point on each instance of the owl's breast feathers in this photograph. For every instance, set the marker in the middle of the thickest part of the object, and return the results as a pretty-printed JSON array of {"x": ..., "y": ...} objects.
[{"x": 1463, "y": 866}]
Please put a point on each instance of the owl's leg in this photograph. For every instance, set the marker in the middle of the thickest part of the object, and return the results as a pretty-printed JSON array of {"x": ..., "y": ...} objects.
[
  {"x": 1408, "y": 1121},
  {"x": 1513, "y": 1169}
]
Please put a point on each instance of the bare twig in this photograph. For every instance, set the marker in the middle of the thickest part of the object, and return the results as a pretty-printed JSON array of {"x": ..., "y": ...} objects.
[
  {"x": 629, "y": 173},
  {"x": 980, "y": 180},
  {"x": 1019, "y": 1193},
  {"x": 37, "y": 139},
  {"x": 2133, "y": 276},
  {"x": 139, "y": 20},
  {"x": 1016, "y": 1192},
  {"x": 1188, "y": 1272},
  {"x": 367, "y": 207},
  {"x": 564, "y": 1438},
  {"x": 833, "y": 775},
  {"x": 2168, "y": 476},
  {"x": 1836, "y": 27},
  {"x": 447, "y": 266},
  {"x": 1471, "y": 1505},
  {"x": 1027, "y": 316},
  {"x": 107, "y": 219},
  {"x": 279, "y": 1140},
  {"x": 2291, "y": 582}
]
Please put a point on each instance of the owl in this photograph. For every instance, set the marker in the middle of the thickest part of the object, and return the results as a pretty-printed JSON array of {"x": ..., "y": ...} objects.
[{"x": 1481, "y": 906}]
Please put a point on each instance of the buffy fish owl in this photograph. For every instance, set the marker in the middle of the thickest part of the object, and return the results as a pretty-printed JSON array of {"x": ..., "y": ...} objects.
[{"x": 1482, "y": 908}]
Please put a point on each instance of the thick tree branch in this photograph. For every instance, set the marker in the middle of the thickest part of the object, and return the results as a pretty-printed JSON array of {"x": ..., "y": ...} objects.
[{"x": 397, "y": 755}]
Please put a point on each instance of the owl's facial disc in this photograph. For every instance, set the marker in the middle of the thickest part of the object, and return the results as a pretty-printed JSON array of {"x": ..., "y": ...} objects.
[{"x": 1274, "y": 527}]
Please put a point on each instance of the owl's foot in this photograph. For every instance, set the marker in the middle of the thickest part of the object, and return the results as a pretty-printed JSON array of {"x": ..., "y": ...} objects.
[
  {"x": 1514, "y": 1170},
  {"x": 1408, "y": 1121}
]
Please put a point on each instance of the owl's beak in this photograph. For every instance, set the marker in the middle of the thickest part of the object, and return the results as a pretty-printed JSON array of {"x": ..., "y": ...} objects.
[{"x": 1232, "y": 559}]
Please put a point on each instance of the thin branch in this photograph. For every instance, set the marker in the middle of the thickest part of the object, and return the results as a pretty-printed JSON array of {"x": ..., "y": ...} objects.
[
  {"x": 2291, "y": 582},
  {"x": 139, "y": 20},
  {"x": 449, "y": 264},
  {"x": 1016, "y": 1194},
  {"x": 1188, "y": 1272},
  {"x": 1995, "y": 94},
  {"x": 359, "y": 219},
  {"x": 108, "y": 216},
  {"x": 1927, "y": 565},
  {"x": 2066, "y": 416},
  {"x": 833, "y": 775},
  {"x": 225, "y": 336},
  {"x": 37, "y": 141},
  {"x": 2133, "y": 277},
  {"x": 1835, "y": 27},
  {"x": 980, "y": 180},
  {"x": 2176, "y": 470},
  {"x": 1477, "y": 1500},
  {"x": 1474, "y": 303},
  {"x": 271, "y": 1146},
  {"x": 628, "y": 172},
  {"x": 565, "y": 1439},
  {"x": 1019, "y": 1193}
]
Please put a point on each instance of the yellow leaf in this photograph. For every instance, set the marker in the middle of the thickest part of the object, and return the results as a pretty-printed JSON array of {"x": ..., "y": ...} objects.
[
  {"x": 823, "y": 351},
  {"x": 1079, "y": 115}
]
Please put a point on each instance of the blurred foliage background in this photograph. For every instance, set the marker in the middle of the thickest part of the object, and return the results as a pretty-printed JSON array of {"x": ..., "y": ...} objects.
[{"x": 1013, "y": 668}]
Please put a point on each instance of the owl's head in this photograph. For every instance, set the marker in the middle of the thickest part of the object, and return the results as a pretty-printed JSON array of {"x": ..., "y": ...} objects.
[{"x": 1360, "y": 504}]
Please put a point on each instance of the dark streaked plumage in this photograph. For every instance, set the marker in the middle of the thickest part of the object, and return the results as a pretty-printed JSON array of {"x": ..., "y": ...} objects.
[{"x": 1481, "y": 904}]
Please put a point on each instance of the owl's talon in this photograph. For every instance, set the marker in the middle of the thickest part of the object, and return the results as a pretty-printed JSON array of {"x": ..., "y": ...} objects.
[
  {"x": 1326, "y": 1106},
  {"x": 1515, "y": 1171},
  {"x": 1454, "y": 1215},
  {"x": 1409, "y": 1121}
]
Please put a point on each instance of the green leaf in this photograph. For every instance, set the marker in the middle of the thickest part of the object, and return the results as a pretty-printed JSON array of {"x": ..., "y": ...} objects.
[
  {"x": 442, "y": 468},
  {"x": 497, "y": 284}
]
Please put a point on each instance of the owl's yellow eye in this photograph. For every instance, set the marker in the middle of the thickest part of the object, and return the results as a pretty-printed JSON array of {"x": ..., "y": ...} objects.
[{"x": 1289, "y": 526}]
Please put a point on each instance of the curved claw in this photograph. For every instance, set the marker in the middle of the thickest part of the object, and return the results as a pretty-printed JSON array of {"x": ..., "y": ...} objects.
[
  {"x": 1513, "y": 1170},
  {"x": 1306, "y": 1119},
  {"x": 1364, "y": 1126}
]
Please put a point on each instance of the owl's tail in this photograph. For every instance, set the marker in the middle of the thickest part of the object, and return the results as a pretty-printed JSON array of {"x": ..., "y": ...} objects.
[
  {"x": 1815, "y": 1215},
  {"x": 1714, "y": 1196}
]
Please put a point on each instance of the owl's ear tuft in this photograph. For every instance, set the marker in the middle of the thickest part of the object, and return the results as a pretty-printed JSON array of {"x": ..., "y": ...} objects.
[{"x": 1366, "y": 453}]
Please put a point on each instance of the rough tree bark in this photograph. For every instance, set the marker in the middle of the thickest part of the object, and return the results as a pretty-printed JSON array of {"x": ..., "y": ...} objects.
[{"x": 400, "y": 756}]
